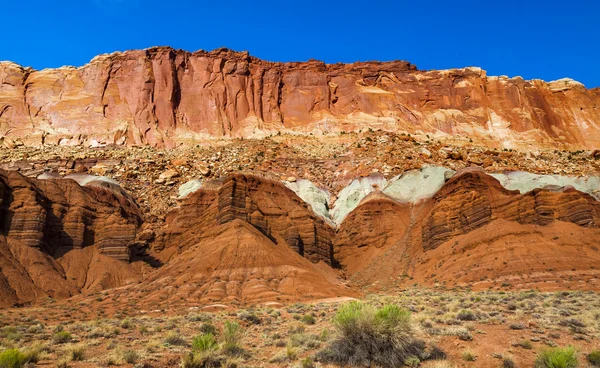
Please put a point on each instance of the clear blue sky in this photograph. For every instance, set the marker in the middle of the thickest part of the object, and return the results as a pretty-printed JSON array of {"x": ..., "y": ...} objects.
[{"x": 534, "y": 39}]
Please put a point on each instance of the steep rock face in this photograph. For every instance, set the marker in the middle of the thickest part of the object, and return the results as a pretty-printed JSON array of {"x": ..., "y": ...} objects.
[
  {"x": 163, "y": 97},
  {"x": 472, "y": 199},
  {"x": 56, "y": 216},
  {"x": 266, "y": 204},
  {"x": 474, "y": 231},
  {"x": 58, "y": 238}
]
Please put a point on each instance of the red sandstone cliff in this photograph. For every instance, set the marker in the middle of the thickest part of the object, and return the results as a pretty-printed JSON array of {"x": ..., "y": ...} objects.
[{"x": 164, "y": 97}]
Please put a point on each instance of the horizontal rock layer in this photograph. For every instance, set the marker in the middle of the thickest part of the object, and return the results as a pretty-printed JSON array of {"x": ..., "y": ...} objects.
[
  {"x": 264, "y": 203},
  {"x": 163, "y": 97},
  {"x": 58, "y": 238}
]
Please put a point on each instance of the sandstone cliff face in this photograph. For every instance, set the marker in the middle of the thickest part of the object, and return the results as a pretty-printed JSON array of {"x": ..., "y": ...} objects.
[
  {"x": 165, "y": 97},
  {"x": 58, "y": 238},
  {"x": 266, "y": 204},
  {"x": 474, "y": 231},
  {"x": 473, "y": 199},
  {"x": 56, "y": 216}
]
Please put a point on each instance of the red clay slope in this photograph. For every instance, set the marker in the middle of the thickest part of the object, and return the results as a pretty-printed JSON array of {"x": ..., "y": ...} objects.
[{"x": 161, "y": 96}]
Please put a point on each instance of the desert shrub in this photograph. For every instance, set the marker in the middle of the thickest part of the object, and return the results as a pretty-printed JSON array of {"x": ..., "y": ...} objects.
[
  {"x": 232, "y": 338},
  {"x": 525, "y": 344},
  {"x": 203, "y": 317},
  {"x": 289, "y": 354},
  {"x": 412, "y": 361},
  {"x": 201, "y": 360},
  {"x": 466, "y": 315},
  {"x": 14, "y": 358},
  {"x": 249, "y": 317},
  {"x": 508, "y": 363},
  {"x": 208, "y": 328},
  {"x": 309, "y": 341},
  {"x": 204, "y": 342},
  {"x": 126, "y": 324},
  {"x": 174, "y": 339},
  {"x": 594, "y": 358},
  {"x": 62, "y": 337},
  {"x": 557, "y": 358},
  {"x": 464, "y": 335},
  {"x": 37, "y": 328},
  {"x": 435, "y": 353},
  {"x": 10, "y": 333},
  {"x": 517, "y": 326},
  {"x": 309, "y": 319},
  {"x": 367, "y": 337},
  {"x": 469, "y": 356},
  {"x": 130, "y": 356},
  {"x": 307, "y": 363},
  {"x": 78, "y": 353}
]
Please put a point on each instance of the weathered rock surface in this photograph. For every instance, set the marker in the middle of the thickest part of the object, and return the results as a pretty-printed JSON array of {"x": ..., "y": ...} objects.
[
  {"x": 58, "y": 238},
  {"x": 266, "y": 204},
  {"x": 163, "y": 97},
  {"x": 236, "y": 263},
  {"x": 474, "y": 231}
]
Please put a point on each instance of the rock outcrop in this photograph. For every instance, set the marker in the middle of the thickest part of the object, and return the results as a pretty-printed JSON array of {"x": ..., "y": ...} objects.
[
  {"x": 58, "y": 238},
  {"x": 474, "y": 231},
  {"x": 164, "y": 97},
  {"x": 266, "y": 204}
]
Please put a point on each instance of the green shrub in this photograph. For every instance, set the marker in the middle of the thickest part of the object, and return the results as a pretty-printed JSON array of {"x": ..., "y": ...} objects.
[
  {"x": 62, "y": 337},
  {"x": 557, "y": 358},
  {"x": 232, "y": 338},
  {"x": 14, "y": 358},
  {"x": 204, "y": 342},
  {"x": 250, "y": 317},
  {"x": 412, "y": 361},
  {"x": 201, "y": 360},
  {"x": 594, "y": 358},
  {"x": 367, "y": 336},
  {"x": 126, "y": 324}
]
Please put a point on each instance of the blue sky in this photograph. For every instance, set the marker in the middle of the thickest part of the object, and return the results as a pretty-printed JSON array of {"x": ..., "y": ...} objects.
[{"x": 534, "y": 39}]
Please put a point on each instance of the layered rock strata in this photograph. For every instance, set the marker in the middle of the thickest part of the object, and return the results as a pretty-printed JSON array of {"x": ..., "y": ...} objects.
[{"x": 164, "y": 97}]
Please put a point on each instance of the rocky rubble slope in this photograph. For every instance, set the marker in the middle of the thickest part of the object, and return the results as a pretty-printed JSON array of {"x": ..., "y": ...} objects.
[
  {"x": 292, "y": 217},
  {"x": 164, "y": 97}
]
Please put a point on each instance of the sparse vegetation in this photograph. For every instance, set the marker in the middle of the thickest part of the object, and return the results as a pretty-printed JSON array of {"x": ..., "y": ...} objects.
[
  {"x": 15, "y": 358},
  {"x": 367, "y": 336},
  {"x": 594, "y": 358},
  {"x": 284, "y": 337},
  {"x": 557, "y": 358},
  {"x": 174, "y": 339},
  {"x": 232, "y": 338},
  {"x": 469, "y": 356},
  {"x": 204, "y": 342},
  {"x": 130, "y": 356},
  {"x": 62, "y": 337}
]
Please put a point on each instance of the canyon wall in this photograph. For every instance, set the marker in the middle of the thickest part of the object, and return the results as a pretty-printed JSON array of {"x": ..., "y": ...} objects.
[{"x": 165, "y": 97}]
